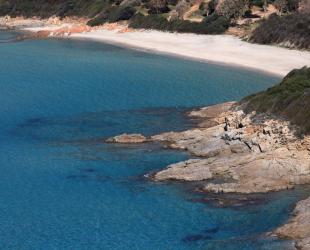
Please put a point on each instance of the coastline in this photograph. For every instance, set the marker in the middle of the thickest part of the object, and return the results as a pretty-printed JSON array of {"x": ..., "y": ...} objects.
[
  {"x": 121, "y": 44},
  {"x": 237, "y": 153},
  {"x": 218, "y": 49},
  {"x": 262, "y": 149}
]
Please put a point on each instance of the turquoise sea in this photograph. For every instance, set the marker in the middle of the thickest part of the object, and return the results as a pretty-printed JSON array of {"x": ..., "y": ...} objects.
[{"x": 62, "y": 187}]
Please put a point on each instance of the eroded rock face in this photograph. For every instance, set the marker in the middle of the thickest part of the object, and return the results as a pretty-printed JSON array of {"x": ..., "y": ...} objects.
[
  {"x": 245, "y": 173},
  {"x": 298, "y": 227},
  {"x": 127, "y": 139},
  {"x": 249, "y": 153}
]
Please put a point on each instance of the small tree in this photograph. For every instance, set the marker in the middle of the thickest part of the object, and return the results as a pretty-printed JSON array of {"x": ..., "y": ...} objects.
[
  {"x": 286, "y": 5},
  {"x": 158, "y": 6},
  {"x": 281, "y": 5},
  {"x": 232, "y": 8}
]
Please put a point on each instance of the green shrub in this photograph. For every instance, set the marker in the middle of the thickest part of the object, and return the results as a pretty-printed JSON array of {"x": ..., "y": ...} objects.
[
  {"x": 290, "y": 99},
  {"x": 121, "y": 13},
  {"x": 289, "y": 30},
  {"x": 233, "y": 8},
  {"x": 157, "y": 6},
  {"x": 259, "y": 3},
  {"x": 6, "y": 8},
  {"x": 64, "y": 9},
  {"x": 211, "y": 25},
  {"x": 101, "y": 18},
  {"x": 112, "y": 14},
  {"x": 95, "y": 8}
]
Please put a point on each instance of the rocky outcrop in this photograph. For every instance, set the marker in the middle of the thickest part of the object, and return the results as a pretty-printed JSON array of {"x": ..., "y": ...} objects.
[
  {"x": 298, "y": 228},
  {"x": 249, "y": 153},
  {"x": 127, "y": 139},
  {"x": 243, "y": 173},
  {"x": 237, "y": 150}
]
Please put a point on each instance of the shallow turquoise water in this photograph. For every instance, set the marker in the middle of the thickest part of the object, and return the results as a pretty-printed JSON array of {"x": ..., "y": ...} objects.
[{"x": 63, "y": 188}]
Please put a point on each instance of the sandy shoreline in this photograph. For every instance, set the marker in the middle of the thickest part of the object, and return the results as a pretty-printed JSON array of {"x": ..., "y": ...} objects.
[
  {"x": 219, "y": 49},
  {"x": 222, "y": 49}
]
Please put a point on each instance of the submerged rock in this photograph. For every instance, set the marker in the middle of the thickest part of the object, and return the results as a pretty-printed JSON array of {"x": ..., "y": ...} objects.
[{"x": 127, "y": 139}]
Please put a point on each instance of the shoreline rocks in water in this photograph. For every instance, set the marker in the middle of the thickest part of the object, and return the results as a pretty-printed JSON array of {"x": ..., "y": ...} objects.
[
  {"x": 298, "y": 228},
  {"x": 127, "y": 139},
  {"x": 243, "y": 153},
  {"x": 251, "y": 153},
  {"x": 248, "y": 151},
  {"x": 238, "y": 150}
]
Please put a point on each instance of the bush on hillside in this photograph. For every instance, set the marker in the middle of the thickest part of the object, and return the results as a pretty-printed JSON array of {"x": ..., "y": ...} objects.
[
  {"x": 121, "y": 13},
  {"x": 259, "y": 3},
  {"x": 286, "y": 5},
  {"x": 64, "y": 9},
  {"x": 290, "y": 30},
  {"x": 232, "y": 8},
  {"x": 49, "y": 8},
  {"x": 6, "y": 8},
  {"x": 101, "y": 18},
  {"x": 212, "y": 25},
  {"x": 112, "y": 14},
  {"x": 158, "y": 6},
  {"x": 290, "y": 99}
]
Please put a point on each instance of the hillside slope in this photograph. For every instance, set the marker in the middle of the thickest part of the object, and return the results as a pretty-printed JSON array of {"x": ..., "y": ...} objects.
[
  {"x": 291, "y": 31},
  {"x": 290, "y": 99},
  {"x": 288, "y": 25}
]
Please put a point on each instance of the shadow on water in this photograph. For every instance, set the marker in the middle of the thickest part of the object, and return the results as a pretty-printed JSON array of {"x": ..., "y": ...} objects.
[
  {"x": 261, "y": 206},
  {"x": 91, "y": 128}
]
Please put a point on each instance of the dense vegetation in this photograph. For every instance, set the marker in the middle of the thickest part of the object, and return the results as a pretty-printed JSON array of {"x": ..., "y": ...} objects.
[
  {"x": 289, "y": 26},
  {"x": 290, "y": 99},
  {"x": 290, "y": 30},
  {"x": 47, "y": 8},
  {"x": 212, "y": 25}
]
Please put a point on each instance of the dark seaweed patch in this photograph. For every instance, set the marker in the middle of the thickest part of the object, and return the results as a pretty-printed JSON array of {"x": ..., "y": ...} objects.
[
  {"x": 196, "y": 237},
  {"x": 76, "y": 176},
  {"x": 212, "y": 230}
]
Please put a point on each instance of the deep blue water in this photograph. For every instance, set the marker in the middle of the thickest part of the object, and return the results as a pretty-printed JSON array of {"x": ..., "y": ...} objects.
[{"x": 62, "y": 187}]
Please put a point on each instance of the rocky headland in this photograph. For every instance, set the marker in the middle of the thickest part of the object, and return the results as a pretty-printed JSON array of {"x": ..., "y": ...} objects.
[{"x": 258, "y": 145}]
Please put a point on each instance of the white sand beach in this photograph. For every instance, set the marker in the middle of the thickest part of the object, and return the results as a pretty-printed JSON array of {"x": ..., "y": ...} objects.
[
  {"x": 222, "y": 49},
  {"x": 215, "y": 48}
]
